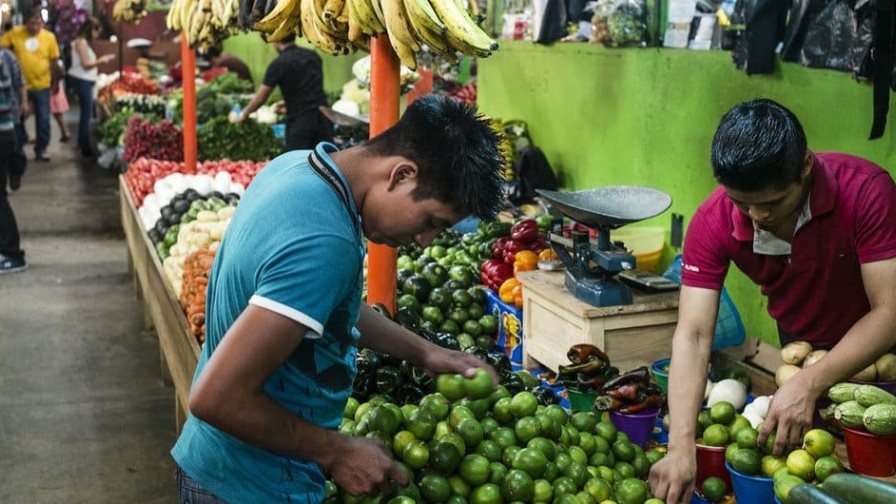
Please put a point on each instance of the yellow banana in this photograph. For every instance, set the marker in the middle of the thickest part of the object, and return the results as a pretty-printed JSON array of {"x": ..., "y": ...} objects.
[
  {"x": 172, "y": 20},
  {"x": 332, "y": 9},
  {"x": 426, "y": 24},
  {"x": 291, "y": 24},
  {"x": 343, "y": 16},
  {"x": 462, "y": 33},
  {"x": 397, "y": 25},
  {"x": 354, "y": 29},
  {"x": 273, "y": 20},
  {"x": 366, "y": 17},
  {"x": 377, "y": 7}
]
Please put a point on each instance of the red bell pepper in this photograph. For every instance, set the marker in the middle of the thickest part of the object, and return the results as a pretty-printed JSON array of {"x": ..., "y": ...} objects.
[
  {"x": 512, "y": 248},
  {"x": 494, "y": 272},
  {"x": 524, "y": 231}
]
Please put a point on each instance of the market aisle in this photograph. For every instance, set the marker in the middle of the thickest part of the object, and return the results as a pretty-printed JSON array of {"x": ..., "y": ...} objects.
[{"x": 84, "y": 416}]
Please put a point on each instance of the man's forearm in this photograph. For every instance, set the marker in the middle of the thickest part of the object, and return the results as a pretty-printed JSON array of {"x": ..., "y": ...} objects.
[
  {"x": 865, "y": 342},
  {"x": 687, "y": 377},
  {"x": 381, "y": 334}
]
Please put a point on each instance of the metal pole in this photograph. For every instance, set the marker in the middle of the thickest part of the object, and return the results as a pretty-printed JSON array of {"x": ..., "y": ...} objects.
[{"x": 188, "y": 81}]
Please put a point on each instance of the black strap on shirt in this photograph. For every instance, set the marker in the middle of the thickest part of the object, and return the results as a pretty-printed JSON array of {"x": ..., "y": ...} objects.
[{"x": 332, "y": 179}]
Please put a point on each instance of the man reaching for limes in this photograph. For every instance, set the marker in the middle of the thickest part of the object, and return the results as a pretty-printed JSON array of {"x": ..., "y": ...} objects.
[
  {"x": 284, "y": 313},
  {"x": 816, "y": 232}
]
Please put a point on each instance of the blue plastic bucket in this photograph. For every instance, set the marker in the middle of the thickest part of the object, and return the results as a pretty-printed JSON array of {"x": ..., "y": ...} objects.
[{"x": 751, "y": 489}]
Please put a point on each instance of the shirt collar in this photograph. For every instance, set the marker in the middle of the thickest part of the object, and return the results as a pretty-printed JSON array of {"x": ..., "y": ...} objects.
[{"x": 822, "y": 197}]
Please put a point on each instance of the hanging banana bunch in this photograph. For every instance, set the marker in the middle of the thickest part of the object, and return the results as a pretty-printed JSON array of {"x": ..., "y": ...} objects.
[
  {"x": 129, "y": 11},
  {"x": 442, "y": 27},
  {"x": 205, "y": 22},
  {"x": 506, "y": 148}
]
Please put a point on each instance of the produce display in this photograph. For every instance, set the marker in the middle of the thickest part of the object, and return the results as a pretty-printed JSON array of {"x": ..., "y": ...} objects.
[
  {"x": 862, "y": 407},
  {"x": 141, "y": 103},
  {"x": 488, "y": 445},
  {"x": 126, "y": 83},
  {"x": 589, "y": 369},
  {"x": 112, "y": 130},
  {"x": 197, "y": 267},
  {"x": 161, "y": 140},
  {"x": 220, "y": 138},
  {"x": 843, "y": 487},
  {"x": 168, "y": 178},
  {"x": 203, "y": 233},
  {"x": 800, "y": 354},
  {"x": 340, "y": 26}
]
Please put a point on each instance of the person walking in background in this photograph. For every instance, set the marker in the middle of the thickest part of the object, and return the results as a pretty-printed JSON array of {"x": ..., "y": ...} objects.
[
  {"x": 19, "y": 162},
  {"x": 59, "y": 104},
  {"x": 12, "y": 258},
  {"x": 299, "y": 74},
  {"x": 82, "y": 75},
  {"x": 37, "y": 52}
]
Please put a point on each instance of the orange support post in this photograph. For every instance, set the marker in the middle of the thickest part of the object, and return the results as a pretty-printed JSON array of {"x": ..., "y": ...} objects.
[
  {"x": 423, "y": 86},
  {"x": 188, "y": 81},
  {"x": 384, "y": 97}
]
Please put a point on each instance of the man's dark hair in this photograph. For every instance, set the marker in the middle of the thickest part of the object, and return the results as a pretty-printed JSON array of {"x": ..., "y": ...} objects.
[
  {"x": 455, "y": 149},
  {"x": 759, "y": 144},
  {"x": 33, "y": 13}
]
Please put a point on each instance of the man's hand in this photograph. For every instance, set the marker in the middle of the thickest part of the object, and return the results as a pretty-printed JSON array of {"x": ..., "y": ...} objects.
[
  {"x": 790, "y": 415},
  {"x": 26, "y": 110},
  {"x": 360, "y": 466},
  {"x": 672, "y": 478},
  {"x": 443, "y": 360}
]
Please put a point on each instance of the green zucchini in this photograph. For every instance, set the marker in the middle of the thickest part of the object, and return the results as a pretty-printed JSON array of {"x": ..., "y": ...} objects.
[
  {"x": 880, "y": 419},
  {"x": 850, "y": 414},
  {"x": 855, "y": 489},
  {"x": 842, "y": 392},
  {"x": 807, "y": 493},
  {"x": 869, "y": 395}
]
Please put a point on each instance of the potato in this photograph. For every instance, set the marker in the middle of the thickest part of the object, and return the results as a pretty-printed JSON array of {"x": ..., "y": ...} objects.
[
  {"x": 866, "y": 375},
  {"x": 784, "y": 373},
  {"x": 814, "y": 357},
  {"x": 886, "y": 367},
  {"x": 794, "y": 353}
]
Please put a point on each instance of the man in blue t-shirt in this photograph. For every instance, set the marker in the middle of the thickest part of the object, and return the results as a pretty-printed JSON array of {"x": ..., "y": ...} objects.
[{"x": 284, "y": 315}]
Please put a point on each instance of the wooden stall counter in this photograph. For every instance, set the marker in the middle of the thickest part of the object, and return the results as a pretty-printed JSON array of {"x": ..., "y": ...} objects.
[{"x": 553, "y": 320}]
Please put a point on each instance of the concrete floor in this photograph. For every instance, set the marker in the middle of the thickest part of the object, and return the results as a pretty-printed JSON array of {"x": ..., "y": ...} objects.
[{"x": 84, "y": 415}]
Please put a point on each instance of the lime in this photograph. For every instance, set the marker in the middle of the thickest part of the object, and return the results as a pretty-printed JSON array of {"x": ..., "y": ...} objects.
[
  {"x": 562, "y": 460},
  {"x": 599, "y": 459},
  {"x": 458, "y": 499},
  {"x": 800, "y": 463},
  {"x": 436, "y": 404},
  {"x": 488, "y": 493},
  {"x": 459, "y": 412},
  {"x": 584, "y": 497},
  {"x": 402, "y": 499},
  {"x": 747, "y": 461},
  {"x": 607, "y": 431},
  {"x": 740, "y": 422},
  {"x": 625, "y": 469},
  {"x": 770, "y": 443},
  {"x": 523, "y": 404},
  {"x": 470, "y": 431},
  {"x": 715, "y": 435},
  {"x": 549, "y": 427},
  {"x": 550, "y": 471},
  {"x": 489, "y": 424},
  {"x": 598, "y": 489},
  {"x": 584, "y": 422},
  {"x": 527, "y": 428},
  {"x": 456, "y": 440},
  {"x": 459, "y": 317},
  {"x": 557, "y": 413},
  {"x": 564, "y": 485},
  {"x": 654, "y": 455},
  {"x": 465, "y": 341},
  {"x": 632, "y": 491},
  {"x": 722, "y": 412},
  {"x": 459, "y": 486},
  {"x": 407, "y": 410},
  {"x": 606, "y": 474},
  {"x": 351, "y": 406},
  {"x": 480, "y": 385},
  {"x": 385, "y": 420},
  {"x": 771, "y": 464},
  {"x": 577, "y": 454},
  {"x": 444, "y": 458},
  {"x": 383, "y": 439},
  {"x": 819, "y": 443},
  {"x": 478, "y": 406},
  {"x": 601, "y": 445},
  {"x": 401, "y": 440},
  {"x": 478, "y": 294},
  {"x": 450, "y": 327},
  {"x": 488, "y": 323},
  {"x": 518, "y": 486},
  {"x": 543, "y": 445},
  {"x": 624, "y": 451},
  {"x": 490, "y": 450},
  {"x": 508, "y": 455},
  {"x": 586, "y": 442},
  {"x": 442, "y": 429},
  {"x": 566, "y": 498},
  {"x": 500, "y": 393},
  {"x": 572, "y": 435},
  {"x": 422, "y": 424},
  {"x": 474, "y": 469},
  {"x": 714, "y": 489},
  {"x": 409, "y": 301},
  {"x": 641, "y": 465},
  {"x": 784, "y": 483},
  {"x": 504, "y": 436},
  {"x": 472, "y": 327},
  {"x": 496, "y": 472},
  {"x": 433, "y": 314},
  {"x": 746, "y": 438},
  {"x": 531, "y": 461},
  {"x": 461, "y": 298},
  {"x": 415, "y": 455},
  {"x": 826, "y": 466},
  {"x": 730, "y": 451},
  {"x": 451, "y": 386},
  {"x": 577, "y": 472},
  {"x": 704, "y": 420},
  {"x": 502, "y": 411},
  {"x": 543, "y": 491},
  {"x": 434, "y": 488}
]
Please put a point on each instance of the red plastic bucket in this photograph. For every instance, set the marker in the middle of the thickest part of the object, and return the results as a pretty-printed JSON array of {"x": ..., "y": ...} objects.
[
  {"x": 711, "y": 462},
  {"x": 870, "y": 454},
  {"x": 637, "y": 426}
]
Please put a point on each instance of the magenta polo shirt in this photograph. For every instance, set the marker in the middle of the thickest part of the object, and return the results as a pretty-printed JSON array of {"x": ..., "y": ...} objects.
[{"x": 816, "y": 293}]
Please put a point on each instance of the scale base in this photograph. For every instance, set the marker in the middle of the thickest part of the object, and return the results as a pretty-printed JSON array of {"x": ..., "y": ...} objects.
[{"x": 598, "y": 292}]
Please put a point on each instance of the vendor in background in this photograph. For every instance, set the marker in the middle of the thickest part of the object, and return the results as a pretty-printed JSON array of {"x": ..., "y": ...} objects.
[
  {"x": 37, "y": 52},
  {"x": 82, "y": 75},
  {"x": 817, "y": 233},
  {"x": 284, "y": 315},
  {"x": 299, "y": 74},
  {"x": 227, "y": 62}
]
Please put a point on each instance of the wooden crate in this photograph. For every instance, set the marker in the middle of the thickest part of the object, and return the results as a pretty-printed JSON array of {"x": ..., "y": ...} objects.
[
  {"x": 179, "y": 350},
  {"x": 553, "y": 320}
]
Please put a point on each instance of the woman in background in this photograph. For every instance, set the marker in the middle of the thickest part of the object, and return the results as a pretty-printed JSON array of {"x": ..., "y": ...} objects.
[
  {"x": 82, "y": 74},
  {"x": 59, "y": 104}
]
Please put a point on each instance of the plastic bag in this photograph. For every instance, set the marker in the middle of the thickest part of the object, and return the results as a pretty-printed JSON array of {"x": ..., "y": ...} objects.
[
  {"x": 730, "y": 330},
  {"x": 838, "y": 38},
  {"x": 619, "y": 22}
]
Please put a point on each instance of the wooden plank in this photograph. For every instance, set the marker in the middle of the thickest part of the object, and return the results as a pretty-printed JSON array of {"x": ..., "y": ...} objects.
[
  {"x": 551, "y": 285},
  {"x": 178, "y": 346}
]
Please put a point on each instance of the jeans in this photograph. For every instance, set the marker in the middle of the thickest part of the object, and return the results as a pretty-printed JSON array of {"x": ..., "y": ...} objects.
[
  {"x": 40, "y": 100},
  {"x": 191, "y": 493},
  {"x": 9, "y": 230},
  {"x": 84, "y": 90},
  {"x": 19, "y": 161}
]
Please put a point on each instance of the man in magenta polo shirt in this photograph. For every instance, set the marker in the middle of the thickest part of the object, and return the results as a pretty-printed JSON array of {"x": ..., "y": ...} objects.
[{"x": 817, "y": 233}]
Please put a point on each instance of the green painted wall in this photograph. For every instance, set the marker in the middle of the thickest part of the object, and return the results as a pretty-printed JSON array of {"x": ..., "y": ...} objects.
[
  {"x": 647, "y": 116},
  {"x": 258, "y": 54}
]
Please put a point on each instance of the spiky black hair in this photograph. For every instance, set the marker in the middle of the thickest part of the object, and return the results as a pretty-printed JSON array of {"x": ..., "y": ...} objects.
[{"x": 455, "y": 149}]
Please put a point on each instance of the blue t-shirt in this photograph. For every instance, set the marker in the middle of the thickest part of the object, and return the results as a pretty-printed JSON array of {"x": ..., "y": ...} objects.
[{"x": 293, "y": 248}]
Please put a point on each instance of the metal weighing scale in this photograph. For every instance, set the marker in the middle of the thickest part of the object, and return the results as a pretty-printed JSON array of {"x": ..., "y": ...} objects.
[{"x": 591, "y": 267}]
